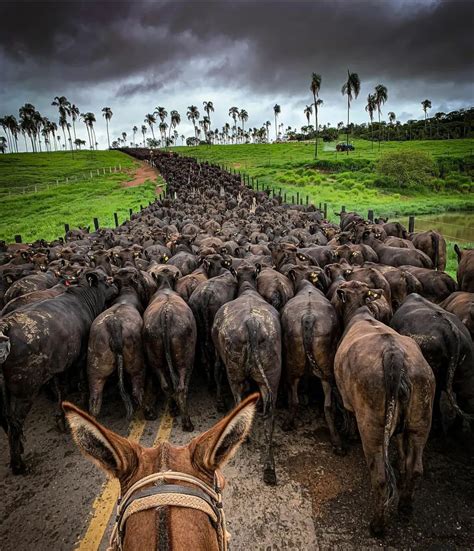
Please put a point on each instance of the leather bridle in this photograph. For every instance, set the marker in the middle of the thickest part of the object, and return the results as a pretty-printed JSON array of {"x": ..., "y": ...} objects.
[{"x": 201, "y": 497}]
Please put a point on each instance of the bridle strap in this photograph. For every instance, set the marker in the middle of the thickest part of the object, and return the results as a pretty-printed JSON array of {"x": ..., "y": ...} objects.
[{"x": 202, "y": 498}]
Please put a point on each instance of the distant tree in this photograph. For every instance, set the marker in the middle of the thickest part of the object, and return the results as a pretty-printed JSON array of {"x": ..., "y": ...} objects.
[
  {"x": 115, "y": 144},
  {"x": 161, "y": 112},
  {"x": 163, "y": 126},
  {"x": 267, "y": 128},
  {"x": 183, "y": 137},
  {"x": 64, "y": 108},
  {"x": 143, "y": 129},
  {"x": 426, "y": 104},
  {"x": 134, "y": 130},
  {"x": 370, "y": 108},
  {"x": 351, "y": 88},
  {"x": 193, "y": 115},
  {"x": 234, "y": 113},
  {"x": 208, "y": 108},
  {"x": 308, "y": 111},
  {"x": 89, "y": 120},
  {"x": 74, "y": 113},
  {"x": 175, "y": 120},
  {"x": 150, "y": 120},
  {"x": 276, "y": 112},
  {"x": 3, "y": 144},
  {"x": 124, "y": 138},
  {"x": 381, "y": 96},
  {"x": 107, "y": 113},
  {"x": 315, "y": 87},
  {"x": 244, "y": 117}
]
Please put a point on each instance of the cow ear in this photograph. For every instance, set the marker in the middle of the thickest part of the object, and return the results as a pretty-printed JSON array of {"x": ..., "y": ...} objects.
[
  {"x": 258, "y": 268},
  {"x": 211, "y": 450},
  {"x": 341, "y": 295},
  {"x": 232, "y": 271},
  {"x": 108, "y": 450},
  {"x": 292, "y": 275},
  {"x": 92, "y": 279}
]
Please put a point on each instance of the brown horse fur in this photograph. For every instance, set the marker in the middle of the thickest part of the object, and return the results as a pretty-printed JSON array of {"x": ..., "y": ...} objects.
[
  {"x": 203, "y": 457},
  {"x": 386, "y": 383}
]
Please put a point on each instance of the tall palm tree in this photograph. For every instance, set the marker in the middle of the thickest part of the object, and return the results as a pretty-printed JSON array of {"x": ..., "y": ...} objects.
[
  {"x": 175, "y": 120},
  {"x": 161, "y": 112},
  {"x": 74, "y": 113},
  {"x": 276, "y": 111},
  {"x": 208, "y": 108},
  {"x": 351, "y": 88},
  {"x": 391, "y": 119},
  {"x": 308, "y": 111},
  {"x": 163, "y": 126},
  {"x": 234, "y": 113},
  {"x": 134, "y": 130},
  {"x": 3, "y": 144},
  {"x": 267, "y": 128},
  {"x": 193, "y": 115},
  {"x": 381, "y": 96},
  {"x": 426, "y": 104},
  {"x": 150, "y": 120},
  {"x": 89, "y": 120},
  {"x": 315, "y": 87},
  {"x": 64, "y": 108},
  {"x": 244, "y": 117},
  {"x": 143, "y": 129},
  {"x": 124, "y": 138},
  {"x": 107, "y": 113},
  {"x": 4, "y": 123},
  {"x": 370, "y": 108}
]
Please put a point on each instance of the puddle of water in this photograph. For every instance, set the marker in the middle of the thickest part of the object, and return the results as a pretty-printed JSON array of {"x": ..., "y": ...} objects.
[{"x": 455, "y": 226}]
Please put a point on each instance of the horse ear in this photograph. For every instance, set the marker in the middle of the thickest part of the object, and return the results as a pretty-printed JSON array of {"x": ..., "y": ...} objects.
[
  {"x": 212, "y": 449},
  {"x": 108, "y": 450}
]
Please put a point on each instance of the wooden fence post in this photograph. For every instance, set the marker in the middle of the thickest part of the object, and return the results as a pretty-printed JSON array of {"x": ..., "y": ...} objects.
[
  {"x": 297, "y": 197},
  {"x": 131, "y": 211},
  {"x": 411, "y": 224},
  {"x": 66, "y": 228},
  {"x": 370, "y": 215},
  {"x": 96, "y": 224},
  {"x": 325, "y": 211},
  {"x": 17, "y": 238},
  {"x": 116, "y": 219},
  {"x": 343, "y": 208}
]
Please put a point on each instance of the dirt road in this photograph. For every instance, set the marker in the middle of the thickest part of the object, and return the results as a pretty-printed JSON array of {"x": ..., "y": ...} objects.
[{"x": 321, "y": 501}]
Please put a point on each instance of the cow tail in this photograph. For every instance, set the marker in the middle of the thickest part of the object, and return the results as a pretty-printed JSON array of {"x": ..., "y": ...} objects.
[
  {"x": 455, "y": 360},
  {"x": 395, "y": 388},
  {"x": 4, "y": 397},
  {"x": 255, "y": 360},
  {"x": 435, "y": 243},
  {"x": 307, "y": 324},
  {"x": 116, "y": 344},
  {"x": 166, "y": 344},
  {"x": 275, "y": 300}
]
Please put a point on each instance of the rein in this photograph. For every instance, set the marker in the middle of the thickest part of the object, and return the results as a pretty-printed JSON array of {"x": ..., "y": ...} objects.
[{"x": 200, "y": 497}]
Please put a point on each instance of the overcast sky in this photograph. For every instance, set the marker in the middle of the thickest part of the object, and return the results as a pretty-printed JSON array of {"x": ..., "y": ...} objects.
[{"x": 134, "y": 56}]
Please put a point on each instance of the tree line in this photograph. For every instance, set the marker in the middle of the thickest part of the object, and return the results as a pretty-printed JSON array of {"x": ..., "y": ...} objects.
[{"x": 39, "y": 132}]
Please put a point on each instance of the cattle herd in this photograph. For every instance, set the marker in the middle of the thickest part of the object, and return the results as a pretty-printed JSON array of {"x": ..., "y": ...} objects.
[{"x": 256, "y": 295}]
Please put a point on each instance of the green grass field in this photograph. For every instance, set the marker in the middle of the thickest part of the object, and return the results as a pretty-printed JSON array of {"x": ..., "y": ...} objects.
[
  {"x": 43, "y": 214},
  {"x": 290, "y": 167}
]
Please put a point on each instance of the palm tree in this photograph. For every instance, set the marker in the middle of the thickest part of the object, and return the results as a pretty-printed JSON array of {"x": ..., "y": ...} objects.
[
  {"x": 351, "y": 88},
  {"x": 64, "y": 108},
  {"x": 143, "y": 129},
  {"x": 124, "y": 138},
  {"x": 267, "y": 127},
  {"x": 74, "y": 113},
  {"x": 163, "y": 127},
  {"x": 161, "y": 112},
  {"x": 276, "y": 111},
  {"x": 175, "y": 120},
  {"x": 107, "y": 113},
  {"x": 370, "y": 108},
  {"x": 183, "y": 137},
  {"x": 315, "y": 87},
  {"x": 208, "y": 108},
  {"x": 193, "y": 115},
  {"x": 244, "y": 117},
  {"x": 234, "y": 113},
  {"x": 426, "y": 104},
  {"x": 89, "y": 120},
  {"x": 134, "y": 130},
  {"x": 3, "y": 144},
  {"x": 391, "y": 119},
  {"x": 150, "y": 120},
  {"x": 381, "y": 96},
  {"x": 308, "y": 111}
]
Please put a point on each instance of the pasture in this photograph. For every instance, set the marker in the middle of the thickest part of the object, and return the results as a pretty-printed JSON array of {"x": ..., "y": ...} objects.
[
  {"x": 352, "y": 180},
  {"x": 95, "y": 187}
]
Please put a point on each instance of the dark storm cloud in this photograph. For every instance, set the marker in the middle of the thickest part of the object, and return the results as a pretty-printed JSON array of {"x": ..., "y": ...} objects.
[{"x": 262, "y": 46}]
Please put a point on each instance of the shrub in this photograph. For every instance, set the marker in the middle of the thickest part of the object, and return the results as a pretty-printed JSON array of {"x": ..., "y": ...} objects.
[{"x": 407, "y": 169}]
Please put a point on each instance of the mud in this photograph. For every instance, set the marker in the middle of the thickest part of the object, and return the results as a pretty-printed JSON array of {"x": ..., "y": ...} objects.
[{"x": 322, "y": 501}]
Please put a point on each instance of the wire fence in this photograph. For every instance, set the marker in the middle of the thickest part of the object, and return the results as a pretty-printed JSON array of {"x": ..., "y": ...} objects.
[{"x": 13, "y": 190}]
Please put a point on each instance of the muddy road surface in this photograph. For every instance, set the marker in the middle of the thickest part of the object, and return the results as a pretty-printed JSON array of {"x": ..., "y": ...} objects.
[{"x": 321, "y": 502}]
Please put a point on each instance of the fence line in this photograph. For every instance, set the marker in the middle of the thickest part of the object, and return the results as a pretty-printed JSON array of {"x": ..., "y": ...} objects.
[{"x": 83, "y": 176}]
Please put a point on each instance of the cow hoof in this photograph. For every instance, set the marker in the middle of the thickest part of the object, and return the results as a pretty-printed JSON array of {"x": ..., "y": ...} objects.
[
  {"x": 150, "y": 414},
  {"x": 187, "y": 426},
  {"x": 269, "y": 477},
  {"x": 377, "y": 528}
]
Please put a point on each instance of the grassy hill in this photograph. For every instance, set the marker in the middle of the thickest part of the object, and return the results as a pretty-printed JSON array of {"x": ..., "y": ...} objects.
[
  {"x": 354, "y": 180},
  {"x": 75, "y": 201}
]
